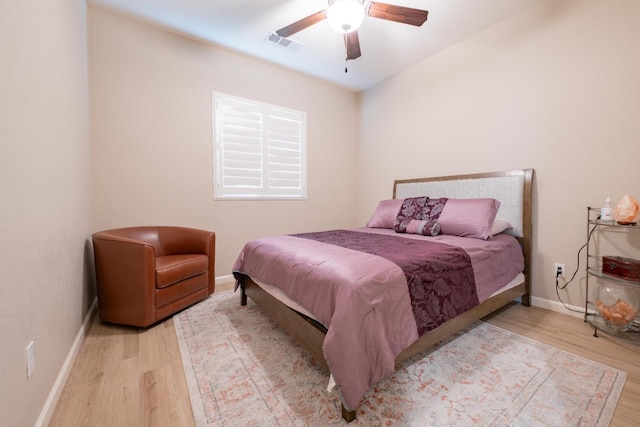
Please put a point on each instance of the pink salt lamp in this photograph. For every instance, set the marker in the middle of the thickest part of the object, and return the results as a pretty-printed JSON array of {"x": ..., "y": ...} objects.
[{"x": 627, "y": 210}]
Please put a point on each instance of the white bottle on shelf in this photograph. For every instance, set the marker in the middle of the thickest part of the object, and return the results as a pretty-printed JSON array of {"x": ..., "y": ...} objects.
[{"x": 606, "y": 211}]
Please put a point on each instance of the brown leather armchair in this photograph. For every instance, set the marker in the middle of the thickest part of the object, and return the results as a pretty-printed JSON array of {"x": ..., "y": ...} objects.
[{"x": 145, "y": 274}]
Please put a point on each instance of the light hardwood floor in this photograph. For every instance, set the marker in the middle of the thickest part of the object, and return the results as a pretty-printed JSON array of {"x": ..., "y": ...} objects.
[{"x": 134, "y": 377}]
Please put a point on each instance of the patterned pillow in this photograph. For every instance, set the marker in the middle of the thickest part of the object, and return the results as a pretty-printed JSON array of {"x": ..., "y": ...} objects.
[
  {"x": 419, "y": 215},
  {"x": 426, "y": 228}
]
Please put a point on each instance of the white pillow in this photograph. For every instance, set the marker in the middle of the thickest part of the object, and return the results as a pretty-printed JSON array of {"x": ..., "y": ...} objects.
[{"x": 498, "y": 226}]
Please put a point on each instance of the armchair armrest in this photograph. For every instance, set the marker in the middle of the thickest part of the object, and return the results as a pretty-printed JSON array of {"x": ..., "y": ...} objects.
[{"x": 128, "y": 290}]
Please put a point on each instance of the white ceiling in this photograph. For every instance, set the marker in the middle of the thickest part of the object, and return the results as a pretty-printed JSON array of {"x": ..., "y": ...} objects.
[{"x": 387, "y": 47}]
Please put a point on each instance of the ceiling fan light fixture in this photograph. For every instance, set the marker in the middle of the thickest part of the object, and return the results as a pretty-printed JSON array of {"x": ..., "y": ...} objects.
[{"x": 345, "y": 16}]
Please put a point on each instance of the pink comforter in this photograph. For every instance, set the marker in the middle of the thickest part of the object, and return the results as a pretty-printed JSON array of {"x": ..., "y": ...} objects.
[{"x": 361, "y": 298}]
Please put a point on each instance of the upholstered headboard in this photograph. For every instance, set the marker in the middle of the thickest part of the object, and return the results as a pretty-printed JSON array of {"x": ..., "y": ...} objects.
[{"x": 511, "y": 188}]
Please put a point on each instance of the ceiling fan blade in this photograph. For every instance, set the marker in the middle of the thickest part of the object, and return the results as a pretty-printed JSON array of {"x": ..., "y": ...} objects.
[
  {"x": 390, "y": 12},
  {"x": 352, "y": 43},
  {"x": 302, "y": 24}
]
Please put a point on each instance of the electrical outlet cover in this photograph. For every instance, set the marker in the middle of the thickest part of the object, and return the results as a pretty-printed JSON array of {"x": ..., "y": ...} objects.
[
  {"x": 31, "y": 360},
  {"x": 559, "y": 268}
]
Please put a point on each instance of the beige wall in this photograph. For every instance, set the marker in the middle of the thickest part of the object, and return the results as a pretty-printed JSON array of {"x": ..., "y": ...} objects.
[
  {"x": 555, "y": 88},
  {"x": 151, "y": 94},
  {"x": 45, "y": 197}
]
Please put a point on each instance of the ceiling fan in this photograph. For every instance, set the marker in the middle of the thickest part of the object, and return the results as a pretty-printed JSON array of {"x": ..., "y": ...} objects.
[{"x": 346, "y": 16}]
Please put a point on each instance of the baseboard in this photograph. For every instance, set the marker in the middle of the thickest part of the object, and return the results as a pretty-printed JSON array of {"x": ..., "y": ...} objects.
[
  {"x": 225, "y": 279},
  {"x": 52, "y": 400},
  {"x": 557, "y": 306}
]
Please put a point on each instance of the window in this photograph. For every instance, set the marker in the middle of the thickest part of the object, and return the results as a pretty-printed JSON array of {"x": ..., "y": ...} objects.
[{"x": 259, "y": 150}]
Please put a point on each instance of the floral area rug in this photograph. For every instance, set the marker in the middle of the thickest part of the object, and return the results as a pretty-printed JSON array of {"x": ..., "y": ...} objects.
[{"x": 242, "y": 370}]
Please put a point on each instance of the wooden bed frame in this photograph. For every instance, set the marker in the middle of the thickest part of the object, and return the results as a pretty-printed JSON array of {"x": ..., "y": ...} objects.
[{"x": 310, "y": 334}]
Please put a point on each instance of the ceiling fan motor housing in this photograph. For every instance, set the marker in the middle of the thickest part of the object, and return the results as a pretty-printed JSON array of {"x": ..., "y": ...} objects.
[{"x": 345, "y": 16}]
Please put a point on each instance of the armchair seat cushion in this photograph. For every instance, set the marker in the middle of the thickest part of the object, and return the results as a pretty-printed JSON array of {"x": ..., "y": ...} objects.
[{"x": 171, "y": 269}]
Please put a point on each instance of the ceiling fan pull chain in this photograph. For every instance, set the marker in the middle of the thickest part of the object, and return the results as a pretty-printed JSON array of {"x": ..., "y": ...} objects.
[{"x": 346, "y": 69}]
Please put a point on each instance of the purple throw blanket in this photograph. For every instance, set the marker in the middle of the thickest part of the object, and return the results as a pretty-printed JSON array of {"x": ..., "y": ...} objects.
[{"x": 439, "y": 276}]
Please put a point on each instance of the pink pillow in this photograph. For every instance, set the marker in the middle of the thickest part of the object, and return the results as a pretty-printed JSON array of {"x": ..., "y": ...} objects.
[
  {"x": 469, "y": 217},
  {"x": 385, "y": 214}
]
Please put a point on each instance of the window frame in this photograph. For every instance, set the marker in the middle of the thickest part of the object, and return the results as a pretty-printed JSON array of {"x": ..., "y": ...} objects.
[{"x": 282, "y": 134}]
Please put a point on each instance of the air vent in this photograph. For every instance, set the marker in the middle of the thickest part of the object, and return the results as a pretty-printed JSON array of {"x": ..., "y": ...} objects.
[{"x": 282, "y": 42}]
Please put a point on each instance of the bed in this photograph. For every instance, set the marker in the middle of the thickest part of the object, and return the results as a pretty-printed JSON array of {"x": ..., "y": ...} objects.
[{"x": 362, "y": 301}]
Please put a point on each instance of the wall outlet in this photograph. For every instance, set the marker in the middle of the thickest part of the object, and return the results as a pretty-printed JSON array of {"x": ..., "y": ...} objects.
[
  {"x": 558, "y": 269},
  {"x": 31, "y": 359}
]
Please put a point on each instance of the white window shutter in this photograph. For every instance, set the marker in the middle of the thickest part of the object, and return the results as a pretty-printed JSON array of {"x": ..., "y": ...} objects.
[{"x": 259, "y": 149}]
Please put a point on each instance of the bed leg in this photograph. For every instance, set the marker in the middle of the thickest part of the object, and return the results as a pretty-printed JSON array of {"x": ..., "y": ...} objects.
[
  {"x": 348, "y": 416},
  {"x": 243, "y": 296}
]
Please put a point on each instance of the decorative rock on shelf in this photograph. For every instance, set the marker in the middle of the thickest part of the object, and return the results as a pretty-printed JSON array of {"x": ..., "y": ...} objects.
[
  {"x": 617, "y": 305},
  {"x": 627, "y": 210}
]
